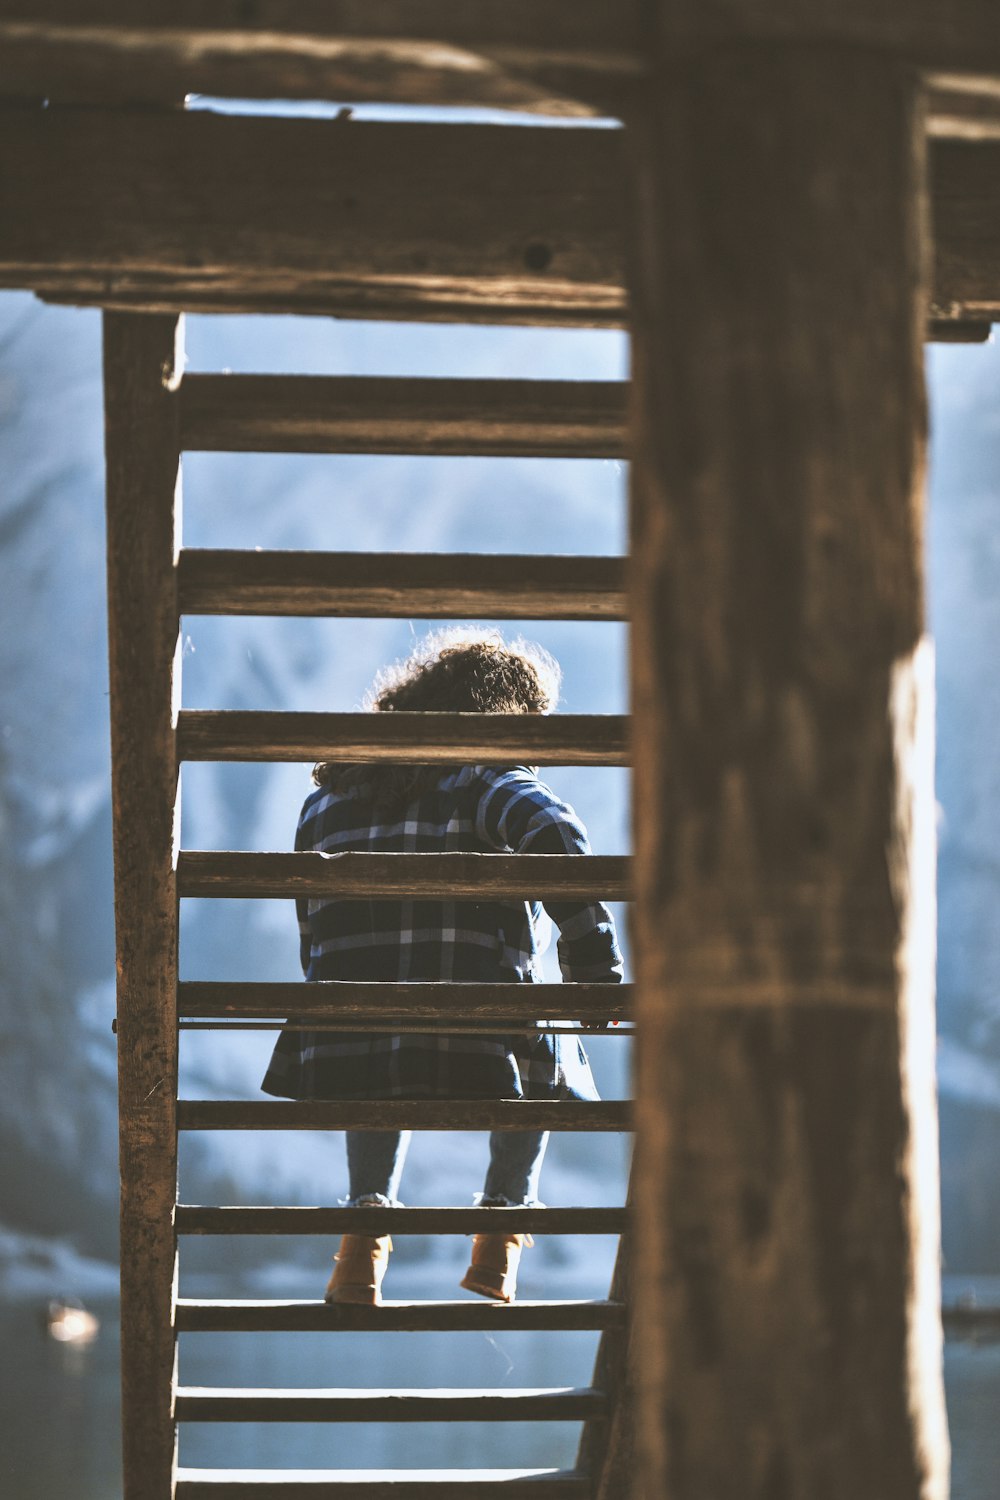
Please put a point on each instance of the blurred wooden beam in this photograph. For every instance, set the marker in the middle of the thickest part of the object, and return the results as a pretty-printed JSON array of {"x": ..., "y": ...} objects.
[
  {"x": 542, "y": 56},
  {"x": 786, "y": 1195},
  {"x": 537, "y": 55},
  {"x": 960, "y": 35},
  {"x": 279, "y": 215}
]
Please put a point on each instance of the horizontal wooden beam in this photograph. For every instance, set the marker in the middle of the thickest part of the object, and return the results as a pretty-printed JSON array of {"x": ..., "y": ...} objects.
[
  {"x": 403, "y": 1114},
  {"x": 402, "y": 738},
  {"x": 198, "y": 1219},
  {"x": 344, "y": 414},
  {"x": 341, "y": 999},
  {"x": 958, "y": 331},
  {"x": 246, "y": 1404},
  {"x": 513, "y": 54},
  {"x": 381, "y": 1484},
  {"x": 544, "y": 877},
  {"x": 376, "y": 219},
  {"x": 536, "y": 55},
  {"x": 966, "y": 208},
  {"x": 963, "y": 35},
  {"x": 196, "y": 1316},
  {"x": 401, "y": 585},
  {"x": 352, "y": 218}
]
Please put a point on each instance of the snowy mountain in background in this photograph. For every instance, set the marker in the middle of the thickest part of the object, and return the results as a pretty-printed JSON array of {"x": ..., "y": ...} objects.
[{"x": 57, "y": 1107}]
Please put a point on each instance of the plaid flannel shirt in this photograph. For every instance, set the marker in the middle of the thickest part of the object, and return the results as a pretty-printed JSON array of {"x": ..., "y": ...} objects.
[{"x": 474, "y": 809}]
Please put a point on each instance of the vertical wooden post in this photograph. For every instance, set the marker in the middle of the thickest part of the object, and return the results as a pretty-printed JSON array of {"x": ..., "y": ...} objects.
[
  {"x": 141, "y": 359},
  {"x": 786, "y": 1188}
]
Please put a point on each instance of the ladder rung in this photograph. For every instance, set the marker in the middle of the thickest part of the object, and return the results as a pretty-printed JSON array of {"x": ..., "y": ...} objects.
[
  {"x": 347, "y": 1000},
  {"x": 219, "y": 1316},
  {"x": 480, "y": 877},
  {"x": 380, "y": 1484},
  {"x": 348, "y": 414},
  {"x": 400, "y": 584},
  {"x": 196, "y": 1404},
  {"x": 447, "y": 739},
  {"x": 403, "y": 1114},
  {"x": 198, "y": 1219}
]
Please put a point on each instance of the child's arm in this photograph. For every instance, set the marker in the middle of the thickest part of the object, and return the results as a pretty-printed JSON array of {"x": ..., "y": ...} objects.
[{"x": 520, "y": 813}]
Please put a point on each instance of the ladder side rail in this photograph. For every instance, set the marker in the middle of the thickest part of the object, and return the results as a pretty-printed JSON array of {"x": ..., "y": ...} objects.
[
  {"x": 141, "y": 354},
  {"x": 606, "y": 1442}
]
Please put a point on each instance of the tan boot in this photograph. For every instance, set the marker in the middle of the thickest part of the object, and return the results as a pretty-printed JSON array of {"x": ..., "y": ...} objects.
[
  {"x": 495, "y": 1259},
  {"x": 358, "y": 1269}
]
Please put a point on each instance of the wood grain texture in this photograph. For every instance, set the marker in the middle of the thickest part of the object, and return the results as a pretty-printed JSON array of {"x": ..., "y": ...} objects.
[
  {"x": 143, "y": 465},
  {"x": 380, "y": 1484},
  {"x": 543, "y": 877},
  {"x": 545, "y": 245},
  {"x": 199, "y": 1219},
  {"x": 403, "y": 1114},
  {"x": 568, "y": 1404},
  {"x": 348, "y": 414},
  {"x": 786, "y": 1197},
  {"x": 348, "y": 214},
  {"x": 401, "y": 738},
  {"x": 429, "y": 586},
  {"x": 963, "y": 35},
  {"x": 958, "y": 331},
  {"x": 606, "y": 1451},
  {"x": 520, "y": 54},
  {"x": 963, "y": 178},
  {"x": 335, "y": 999},
  {"x": 196, "y": 1316}
]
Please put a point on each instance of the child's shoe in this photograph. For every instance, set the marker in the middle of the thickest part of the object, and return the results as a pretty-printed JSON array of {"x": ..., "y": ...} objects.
[
  {"x": 495, "y": 1259},
  {"x": 358, "y": 1269}
]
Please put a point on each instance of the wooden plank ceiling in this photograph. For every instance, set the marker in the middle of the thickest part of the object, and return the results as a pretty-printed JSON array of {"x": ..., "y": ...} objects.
[
  {"x": 547, "y": 55},
  {"x": 174, "y": 209}
]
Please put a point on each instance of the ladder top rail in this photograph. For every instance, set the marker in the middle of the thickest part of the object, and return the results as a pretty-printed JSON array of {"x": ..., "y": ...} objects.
[
  {"x": 447, "y": 585},
  {"x": 399, "y": 738}
]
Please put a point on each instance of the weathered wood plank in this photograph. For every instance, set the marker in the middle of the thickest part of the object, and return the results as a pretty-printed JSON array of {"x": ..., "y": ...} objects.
[
  {"x": 348, "y": 414},
  {"x": 143, "y": 467},
  {"x": 198, "y": 1219},
  {"x": 336, "y": 999},
  {"x": 546, "y": 244},
  {"x": 963, "y": 35},
  {"x": 516, "y": 54},
  {"x": 380, "y": 1484},
  {"x": 242, "y": 1404},
  {"x": 336, "y": 216},
  {"x": 543, "y": 877},
  {"x": 196, "y": 1316},
  {"x": 963, "y": 176},
  {"x": 401, "y": 738},
  {"x": 431, "y": 586},
  {"x": 786, "y": 1235},
  {"x": 958, "y": 331},
  {"x": 403, "y": 1114},
  {"x": 519, "y": 54}
]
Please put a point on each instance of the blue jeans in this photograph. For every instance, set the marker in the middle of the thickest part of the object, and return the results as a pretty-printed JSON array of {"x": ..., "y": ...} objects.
[{"x": 375, "y": 1164}]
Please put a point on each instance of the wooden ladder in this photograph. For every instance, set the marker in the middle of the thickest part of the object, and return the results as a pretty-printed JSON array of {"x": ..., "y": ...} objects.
[{"x": 153, "y": 414}]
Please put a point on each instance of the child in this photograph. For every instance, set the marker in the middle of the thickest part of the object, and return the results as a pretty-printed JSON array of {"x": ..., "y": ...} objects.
[{"x": 438, "y": 809}]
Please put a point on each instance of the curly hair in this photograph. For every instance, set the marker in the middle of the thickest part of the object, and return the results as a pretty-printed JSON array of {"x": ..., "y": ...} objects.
[{"x": 450, "y": 671}]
